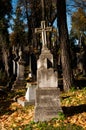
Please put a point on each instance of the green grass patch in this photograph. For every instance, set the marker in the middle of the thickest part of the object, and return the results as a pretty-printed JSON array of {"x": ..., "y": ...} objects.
[{"x": 49, "y": 126}]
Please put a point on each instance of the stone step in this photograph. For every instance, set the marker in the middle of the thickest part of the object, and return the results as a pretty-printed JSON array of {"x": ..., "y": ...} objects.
[
  {"x": 49, "y": 96},
  {"x": 42, "y": 113}
]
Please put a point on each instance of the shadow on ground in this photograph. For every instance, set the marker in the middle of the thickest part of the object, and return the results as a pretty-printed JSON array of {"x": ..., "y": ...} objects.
[
  {"x": 70, "y": 111},
  {"x": 4, "y": 106},
  {"x": 80, "y": 83}
]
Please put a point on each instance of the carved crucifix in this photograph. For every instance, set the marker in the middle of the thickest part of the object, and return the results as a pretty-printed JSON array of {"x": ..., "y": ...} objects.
[{"x": 43, "y": 30}]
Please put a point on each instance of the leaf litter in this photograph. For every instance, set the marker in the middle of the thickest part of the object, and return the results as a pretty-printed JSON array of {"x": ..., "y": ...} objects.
[{"x": 14, "y": 115}]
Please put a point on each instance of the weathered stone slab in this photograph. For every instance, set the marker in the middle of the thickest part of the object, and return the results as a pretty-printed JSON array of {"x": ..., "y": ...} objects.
[
  {"x": 47, "y": 104},
  {"x": 20, "y": 79},
  {"x": 29, "y": 98},
  {"x": 46, "y": 76},
  {"x": 30, "y": 94}
]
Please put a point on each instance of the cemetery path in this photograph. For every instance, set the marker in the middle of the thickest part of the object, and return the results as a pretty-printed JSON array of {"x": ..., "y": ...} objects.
[{"x": 13, "y": 115}]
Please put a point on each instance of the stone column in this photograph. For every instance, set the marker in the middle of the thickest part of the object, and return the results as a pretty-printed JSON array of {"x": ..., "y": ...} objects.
[
  {"x": 14, "y": 67},
  {"x": 20, "y": 69}
]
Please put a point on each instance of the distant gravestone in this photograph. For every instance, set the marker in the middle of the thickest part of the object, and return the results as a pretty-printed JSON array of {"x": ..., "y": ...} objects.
[
  {"x": 20, "y": 79},
  {"x": 15, "y": 60},
  {"x": 30, "y": 93},
  {"x": 29, "y": 98},
  {"x": 47, "y": 102}
]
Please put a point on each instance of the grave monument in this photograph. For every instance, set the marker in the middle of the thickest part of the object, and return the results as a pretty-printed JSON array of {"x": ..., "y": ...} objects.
[
  {"x": 20, "y": 79},
  {"x": 29, "y": 98},
  {"x": 47, "y": 101}
]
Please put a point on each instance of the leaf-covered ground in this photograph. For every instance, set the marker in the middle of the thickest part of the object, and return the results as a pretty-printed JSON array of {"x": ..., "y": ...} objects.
[{"x": 13, "y": 116}]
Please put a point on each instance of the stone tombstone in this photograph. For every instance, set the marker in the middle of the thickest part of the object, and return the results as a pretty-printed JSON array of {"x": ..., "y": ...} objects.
[
  {"x": 46, "y": 77},
  {"x": 20, "y": 70},
  {"x": 29, "y": 98},
  {"x": 47, "y": 101},
  {"x": 20, "y": 79},
  {"x": 20, "y": 66},
  {"x": 15, "y": 60},
  {"x": 30, "y": 93}
]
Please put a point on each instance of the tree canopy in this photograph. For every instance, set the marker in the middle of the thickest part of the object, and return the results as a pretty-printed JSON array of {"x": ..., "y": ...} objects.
[{"x": 5, "y": 13}]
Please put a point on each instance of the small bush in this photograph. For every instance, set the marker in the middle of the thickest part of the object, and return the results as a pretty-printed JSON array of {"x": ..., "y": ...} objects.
[
  {"x": 61, "y": 116},
  {"x": 72, "y": 89}
]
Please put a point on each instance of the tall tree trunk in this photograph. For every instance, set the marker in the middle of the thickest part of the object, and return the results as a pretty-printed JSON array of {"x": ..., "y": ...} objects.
[
  {"x": 29, "y": 33},
  {"x": 43, "y": 10},
  {"x": 64, "y": 45},
  {"x": 5, "y": 60}
]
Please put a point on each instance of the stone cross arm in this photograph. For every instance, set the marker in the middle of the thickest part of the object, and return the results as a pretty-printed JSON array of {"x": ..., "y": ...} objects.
[{"x": 43, "y": 30}]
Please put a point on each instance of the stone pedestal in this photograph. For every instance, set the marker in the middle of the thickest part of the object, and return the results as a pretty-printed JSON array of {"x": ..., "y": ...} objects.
[
  {"x": 20, "y": 80},
  {"x": 29, "y": 98},
  {"x": 30, "y": 94},
  {"x": 47, "y": 104}
]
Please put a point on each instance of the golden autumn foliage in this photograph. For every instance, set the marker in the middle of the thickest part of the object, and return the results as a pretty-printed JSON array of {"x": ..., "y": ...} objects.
[
  {"x": 79, "y": 20},
  {"x": 13, "y": 115}
]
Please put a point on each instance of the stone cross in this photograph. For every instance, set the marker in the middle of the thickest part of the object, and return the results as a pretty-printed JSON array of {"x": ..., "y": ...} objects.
[{"x": 43, "y": 30}]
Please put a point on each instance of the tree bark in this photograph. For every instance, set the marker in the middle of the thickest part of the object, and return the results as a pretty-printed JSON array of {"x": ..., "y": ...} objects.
[
  {"x": 64, "y": 45},
  {"x": 5, "y": 60}
]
